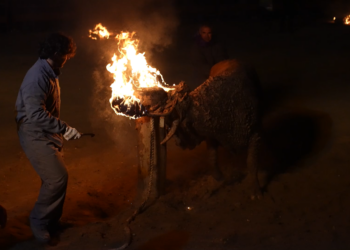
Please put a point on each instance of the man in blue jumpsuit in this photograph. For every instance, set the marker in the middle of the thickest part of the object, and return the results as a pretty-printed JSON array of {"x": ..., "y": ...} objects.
[{"x": 41, "y": 132}]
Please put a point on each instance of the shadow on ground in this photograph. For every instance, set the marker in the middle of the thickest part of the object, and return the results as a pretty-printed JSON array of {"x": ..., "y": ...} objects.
[
  {"x": 173, "y": 240},
  {"x": 290, "y": 137}
]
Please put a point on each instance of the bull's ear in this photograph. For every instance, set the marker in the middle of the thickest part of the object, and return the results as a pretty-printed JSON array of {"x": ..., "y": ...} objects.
[{"x": 182, "y": 87}]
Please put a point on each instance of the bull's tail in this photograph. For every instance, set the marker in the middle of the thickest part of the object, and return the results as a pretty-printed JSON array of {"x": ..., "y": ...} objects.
[{"x": 252, "y": 164}]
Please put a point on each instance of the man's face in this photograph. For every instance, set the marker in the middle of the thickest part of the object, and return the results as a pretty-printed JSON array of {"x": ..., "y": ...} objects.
[
  {"x": 205, "y": 33},
  {"x": 59, "y": 60}
]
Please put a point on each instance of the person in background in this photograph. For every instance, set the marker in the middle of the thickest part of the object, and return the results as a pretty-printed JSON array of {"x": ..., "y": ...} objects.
[{"x": 206, "y": 51}]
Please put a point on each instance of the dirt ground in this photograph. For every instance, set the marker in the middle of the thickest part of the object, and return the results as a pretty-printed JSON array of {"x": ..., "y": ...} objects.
[{"x": 304, "y": 164}]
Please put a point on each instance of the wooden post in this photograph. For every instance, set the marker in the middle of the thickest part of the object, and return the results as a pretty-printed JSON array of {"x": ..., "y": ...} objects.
[
  {"x": 162, "y": 155},
  {"x": 149, "y": 161},
  {"x": 152, "y": 159}
]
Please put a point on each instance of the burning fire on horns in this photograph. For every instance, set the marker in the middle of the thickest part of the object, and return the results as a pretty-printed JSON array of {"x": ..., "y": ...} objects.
[{"x": 130, "y": 72}]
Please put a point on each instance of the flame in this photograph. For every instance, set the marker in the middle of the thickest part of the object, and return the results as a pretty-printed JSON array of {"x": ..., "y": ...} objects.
[
  {"x": 99, "y": 31},
  {"x": 347, "y": 20},
  {"x": 334, "y": 18},
  {"x": 130, "y": 70}
]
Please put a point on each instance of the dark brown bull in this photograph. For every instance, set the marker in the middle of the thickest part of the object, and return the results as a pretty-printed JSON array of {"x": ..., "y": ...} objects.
[{"x": 224, "y": 110}]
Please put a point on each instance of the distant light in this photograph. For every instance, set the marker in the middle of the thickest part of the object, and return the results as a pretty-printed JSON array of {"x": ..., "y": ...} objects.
[
  {"x": 334, "y": 18},
  {"x": 347, "y": 20},
  {"x": 189, "y": 208}
]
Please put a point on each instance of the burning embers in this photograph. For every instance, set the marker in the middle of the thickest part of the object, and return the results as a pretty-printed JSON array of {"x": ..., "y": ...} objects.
[
  {"x": 148, "y": 100},
  {"x": 131, "y": 73}
]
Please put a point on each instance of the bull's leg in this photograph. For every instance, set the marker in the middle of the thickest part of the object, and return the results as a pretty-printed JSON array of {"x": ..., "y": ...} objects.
[
  {"x": 252, "y": 164},
  {"x": 212, "y": 147}
]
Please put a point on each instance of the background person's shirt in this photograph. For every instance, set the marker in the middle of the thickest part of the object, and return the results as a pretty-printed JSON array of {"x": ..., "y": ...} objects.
[{"x": 204, "y": 55}]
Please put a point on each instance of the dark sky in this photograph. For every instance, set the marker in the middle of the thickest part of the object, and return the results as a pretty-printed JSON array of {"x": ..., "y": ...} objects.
[
  {"x": 81, "y": 14},
  {"x": 36, "y": 8}
]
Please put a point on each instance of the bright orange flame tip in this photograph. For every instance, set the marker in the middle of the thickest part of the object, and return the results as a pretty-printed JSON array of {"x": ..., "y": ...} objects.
[{"x": 100, "y": 31}]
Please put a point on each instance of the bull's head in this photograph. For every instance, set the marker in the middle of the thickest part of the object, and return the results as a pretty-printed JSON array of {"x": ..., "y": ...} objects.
[{"x": 175, "y": 112}]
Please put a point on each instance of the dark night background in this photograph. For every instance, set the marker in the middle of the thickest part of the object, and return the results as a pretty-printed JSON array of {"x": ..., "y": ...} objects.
[{"x": 304, "y": 73}]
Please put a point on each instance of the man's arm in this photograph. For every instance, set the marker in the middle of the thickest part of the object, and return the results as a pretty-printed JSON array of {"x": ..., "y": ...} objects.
[{"x": 34, "y": 96}]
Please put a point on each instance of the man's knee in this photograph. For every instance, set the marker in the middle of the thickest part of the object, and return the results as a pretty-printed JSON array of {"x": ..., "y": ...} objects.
[
  {"x": 60, "y": 180},
  {"x": 57, "y": 180}
]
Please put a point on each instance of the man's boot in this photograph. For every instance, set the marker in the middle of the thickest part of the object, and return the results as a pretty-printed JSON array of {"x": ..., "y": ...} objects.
[{"x": 41, "y": 233}]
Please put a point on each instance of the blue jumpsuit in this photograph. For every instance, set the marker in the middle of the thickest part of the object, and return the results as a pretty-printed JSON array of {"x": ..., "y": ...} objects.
[{"x": 40, "y": 134}]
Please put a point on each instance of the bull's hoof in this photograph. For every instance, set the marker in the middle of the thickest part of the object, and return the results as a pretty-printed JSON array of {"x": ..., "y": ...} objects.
[{"x": 3, "y": 217}]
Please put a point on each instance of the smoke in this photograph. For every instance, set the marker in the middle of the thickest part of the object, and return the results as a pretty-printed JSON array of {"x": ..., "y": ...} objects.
[
  {"x": 154, "y": 22},
  {"x": 120, "y": 129}
]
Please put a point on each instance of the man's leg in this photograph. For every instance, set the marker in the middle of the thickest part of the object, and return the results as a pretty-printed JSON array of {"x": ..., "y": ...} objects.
[
  {"x": 48, "y": 163},
  {"x": 54, "y": 176}
]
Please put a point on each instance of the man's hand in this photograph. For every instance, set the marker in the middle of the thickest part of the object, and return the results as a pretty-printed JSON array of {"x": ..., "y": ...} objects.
[{"x": 71, "y": 133}]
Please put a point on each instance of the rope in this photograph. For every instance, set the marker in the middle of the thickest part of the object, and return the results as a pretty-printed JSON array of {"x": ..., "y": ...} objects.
[{"x": 141, "y": 207}]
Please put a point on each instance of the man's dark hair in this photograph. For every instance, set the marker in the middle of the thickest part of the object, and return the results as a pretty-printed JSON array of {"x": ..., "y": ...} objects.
[
  {"x": 206, "y": 24},
  {"x": 57, "y": 43}
]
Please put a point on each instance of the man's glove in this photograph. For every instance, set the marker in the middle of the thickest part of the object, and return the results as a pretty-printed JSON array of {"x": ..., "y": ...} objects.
[{"x": 71, "y": 133}]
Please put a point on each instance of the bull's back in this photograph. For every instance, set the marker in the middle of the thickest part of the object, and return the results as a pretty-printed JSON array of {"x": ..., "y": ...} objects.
[{"x": 219, "y": 68}]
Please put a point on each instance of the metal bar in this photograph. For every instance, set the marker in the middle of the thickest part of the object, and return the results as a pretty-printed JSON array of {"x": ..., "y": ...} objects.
[{"x": 162, "y": 156}]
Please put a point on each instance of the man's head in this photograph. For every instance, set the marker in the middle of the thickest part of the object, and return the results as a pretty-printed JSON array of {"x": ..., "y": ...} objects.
[
  {"x": 205, "y": 32},
  {"x": 57, "y": 48}
]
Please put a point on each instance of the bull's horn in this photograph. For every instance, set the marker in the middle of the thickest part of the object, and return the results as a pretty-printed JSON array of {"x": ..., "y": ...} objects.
[{"x": 172, "y": 131}]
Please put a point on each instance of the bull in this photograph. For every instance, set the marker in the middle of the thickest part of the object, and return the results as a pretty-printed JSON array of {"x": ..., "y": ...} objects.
[{"x": 224, "y": 110}]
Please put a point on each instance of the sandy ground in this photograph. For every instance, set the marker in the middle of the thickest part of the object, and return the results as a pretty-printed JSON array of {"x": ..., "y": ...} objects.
[{"x": 305, "y": 161}]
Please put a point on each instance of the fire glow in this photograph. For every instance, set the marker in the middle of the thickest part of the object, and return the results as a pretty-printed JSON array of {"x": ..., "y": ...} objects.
[
  {"x": 130, "y": 71},
  {"x": 347, "y": 20}
]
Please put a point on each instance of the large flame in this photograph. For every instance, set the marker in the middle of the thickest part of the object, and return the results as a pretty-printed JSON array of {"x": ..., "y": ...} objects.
[{"x": 129, "y": 68}]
